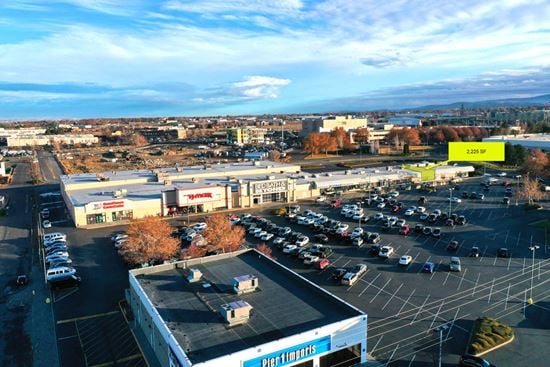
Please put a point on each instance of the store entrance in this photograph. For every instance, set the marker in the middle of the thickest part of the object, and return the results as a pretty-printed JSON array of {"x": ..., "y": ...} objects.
[{"x": 348, "y": 357}]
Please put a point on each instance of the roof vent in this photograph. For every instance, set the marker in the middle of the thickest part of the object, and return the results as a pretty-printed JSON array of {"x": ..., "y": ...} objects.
[
  {"x": 194, "y": 275},
  {"x": 236, "y": 313},
  {"x": 245, "y": 283}
]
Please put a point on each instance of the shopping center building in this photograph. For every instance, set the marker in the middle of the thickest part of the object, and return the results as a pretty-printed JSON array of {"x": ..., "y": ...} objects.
[
  {"x": 242, "y": 310},
  {"x": 120, "y": 195}
]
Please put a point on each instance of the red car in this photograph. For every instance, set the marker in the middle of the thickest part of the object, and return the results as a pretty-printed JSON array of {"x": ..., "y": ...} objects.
[
  {"x": 335, "y": 203},
  {"x": 321, "y": 264},
  {"x": 405, "y": 230},
  {"x": 395, "y": 208}
]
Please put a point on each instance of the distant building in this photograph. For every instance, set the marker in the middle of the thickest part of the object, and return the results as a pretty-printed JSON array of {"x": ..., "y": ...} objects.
[
  {"x": 40, "y": 140},
  {"x": 405, "y": 121},
  {"x": 323, "y": 124},
  {"x": 245, "y": 135},
  {"x": 163, "y": 132},
  {"x": 540, "y": 141}
]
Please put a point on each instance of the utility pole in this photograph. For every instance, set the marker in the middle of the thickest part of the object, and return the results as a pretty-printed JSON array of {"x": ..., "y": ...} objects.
[{"x": 440, "y": 330}]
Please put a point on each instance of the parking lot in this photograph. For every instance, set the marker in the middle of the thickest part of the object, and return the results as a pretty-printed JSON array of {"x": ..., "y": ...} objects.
[
  {"x": 405, "y": 306},
  {"x": 90, "y": 327}
]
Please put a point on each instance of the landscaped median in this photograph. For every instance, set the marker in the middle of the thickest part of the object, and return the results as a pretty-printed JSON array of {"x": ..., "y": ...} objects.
[{"x": 487, "y": 335}]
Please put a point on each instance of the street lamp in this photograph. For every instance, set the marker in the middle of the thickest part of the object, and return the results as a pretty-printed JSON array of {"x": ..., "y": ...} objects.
[
  {"x": 533, "y": 249},
  {"x": 440, "y": 330}
]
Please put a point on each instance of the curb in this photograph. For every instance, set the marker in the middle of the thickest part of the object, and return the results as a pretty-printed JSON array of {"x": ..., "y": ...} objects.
[{"x": 496, "y": 346}]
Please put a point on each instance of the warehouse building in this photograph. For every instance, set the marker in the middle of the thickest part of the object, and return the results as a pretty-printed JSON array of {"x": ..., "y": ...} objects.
[
  {"x": 242, "y": 309},
  {"x": 531, "y": 141},
  {"x": 325, "y": 124},
  {"x": 41, "y": 140}
]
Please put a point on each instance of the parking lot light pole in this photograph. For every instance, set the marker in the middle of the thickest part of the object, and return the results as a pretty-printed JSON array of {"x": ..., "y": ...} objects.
[
  {"x": 533, "y": 249},
  {"x": 450, "y": 202},
  {"x": 440, "y": 330}
]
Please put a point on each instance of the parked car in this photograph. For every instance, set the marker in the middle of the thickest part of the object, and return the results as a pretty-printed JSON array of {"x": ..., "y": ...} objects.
[
  {"x": 405, "y": 260},
  {"x": 321, "y": 199},
  {"x": 320, "y": 238},
  {"x": 405, "y": 230},
  {"x": 427, "y": 230},
  {"x": 302, "y": 241},
  {"x": 373, "y": 238},
  {"x": 468, "y": 360},
  {"x": 45, "y": 213},
  {"x": 429, "y": 267},
  {"x": 461, "y": 220},
  {"x": 385, "y": 251},
  {"x": 454, "y": 264},
  {"x": 419, "y": 228},
  {"x": 436, "y": 232},
  {"x": 503, "y": 252},
  {"x": 453, "y": 246},
  {"x": 420, "y": 209},
  {"x": 409, "y": 212},
  {"x": 47, "y": 224},
  {"x": 118, "y": 237},
  {"x": 474, "y": 252},
  {"x": 424, "y": 216},
  {"x": 199, "y": 226},
  {"x": 339, "y": 273},
  {"x": 322, "y": 264}
]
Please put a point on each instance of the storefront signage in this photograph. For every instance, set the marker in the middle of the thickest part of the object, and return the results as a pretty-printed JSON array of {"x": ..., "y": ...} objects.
[
  {"x": 198, "y": 196},
  {"x": 270, "y": 187},
  {"x": 102, "y": 206},
  {"x": 201, "y": 195},
  {"x": 291, "y": 355}
]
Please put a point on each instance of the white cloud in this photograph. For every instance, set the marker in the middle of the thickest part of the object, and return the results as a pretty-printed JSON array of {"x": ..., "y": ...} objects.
[
  {"x": 260, "y": 87},
  {"x": 240, "y": 6}
]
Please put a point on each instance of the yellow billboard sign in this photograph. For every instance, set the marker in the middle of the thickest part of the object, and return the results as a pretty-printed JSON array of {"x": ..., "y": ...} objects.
[{"x": 476, "y": 151}]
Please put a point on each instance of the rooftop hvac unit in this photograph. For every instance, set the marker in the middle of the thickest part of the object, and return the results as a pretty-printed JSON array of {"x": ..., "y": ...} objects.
[
  {"x": 235, "y": 313},
  {"x": 245, "y": 283},
  {"x": 194, "y": 275}
]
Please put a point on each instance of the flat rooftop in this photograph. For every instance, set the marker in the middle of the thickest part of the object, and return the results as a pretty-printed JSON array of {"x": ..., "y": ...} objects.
[
  {"x": 520, "y": 137},
  {"x": 284, "y": 305},
  {"x": 150, "y": 174}
]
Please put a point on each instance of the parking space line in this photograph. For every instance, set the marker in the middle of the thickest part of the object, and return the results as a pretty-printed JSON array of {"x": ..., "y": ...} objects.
[
  {"x": 509, "y": 261},
  {"x": 475, "y": 285},
  {"x": 412, "y": 360},
  {"x": 81, "y": 345},
  {"x": 370, "y": 283},
  {"x": 406, "y": 302},
  {"x": 378, "y": 342},
  {"x": 436, "y": 269},
  {"x": 436, "y": 315},
  {"x": 428, "y": 259},
  {"x": 447, "y": 277},
  {"x": 461, "y": 279},
  {"x": 380, "y": 290},
  {"x": 393, "y": 295},
  {"x": 419, "y": 309},
  {"x": 495, "y": 262},
  {"x": 86, "y": 317},
  {"x": 517, "y": 242}
]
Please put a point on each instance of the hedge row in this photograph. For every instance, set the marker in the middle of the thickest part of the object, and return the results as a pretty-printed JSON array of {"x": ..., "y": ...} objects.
[{"x": 488, "y": 333}]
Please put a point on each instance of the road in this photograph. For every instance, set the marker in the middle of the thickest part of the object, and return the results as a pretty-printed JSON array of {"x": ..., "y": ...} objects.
[
  {"x": 49, "y": 167},
  {"x": 15, "y": 259}
]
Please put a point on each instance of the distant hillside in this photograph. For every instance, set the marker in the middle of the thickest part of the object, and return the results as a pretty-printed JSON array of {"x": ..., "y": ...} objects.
[{"x": 508, "y": 102}]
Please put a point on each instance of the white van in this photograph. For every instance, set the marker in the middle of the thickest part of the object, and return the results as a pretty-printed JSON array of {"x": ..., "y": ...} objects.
[
  {"x": 60, "y": 272},
  {"x": 50, "y": 237}
]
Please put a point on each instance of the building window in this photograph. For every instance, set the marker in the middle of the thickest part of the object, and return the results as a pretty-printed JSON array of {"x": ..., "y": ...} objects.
[
  {"x": 122, "y": 215},
  {"x": 96, "y": 218},
  {"x": 348, "y": 357}
]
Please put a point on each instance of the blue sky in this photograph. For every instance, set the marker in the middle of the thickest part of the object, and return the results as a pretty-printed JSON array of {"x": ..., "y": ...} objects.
[{"x": 111, "y": 58}]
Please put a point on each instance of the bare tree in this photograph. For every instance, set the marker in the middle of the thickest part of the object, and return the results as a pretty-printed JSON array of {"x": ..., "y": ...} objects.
[
  {"x": 530, "y": 190},
  {"x": 149, "y": 239}
]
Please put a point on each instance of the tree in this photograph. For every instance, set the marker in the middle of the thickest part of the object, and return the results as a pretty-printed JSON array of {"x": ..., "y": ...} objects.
[
  {"x": 361, "y": 136},
  {"x": 515, "y": 155},
  {"x": 221, "y": 235},
  {"x": 312, "y": 143},
  {"x": 149, "y": 239},
  {"x": 341, "y": 136},
  {"x": 276, "y": 156},
  {"x": 193, "y": 251},
  {"x": 328, "y": 143},
  {"x": 266, "y": 250},
  {"x": 411, "y": 136},
  {"x": 395, "y": 135},
  {"x": 537, "y": 163},
  {"x": 138, "y": 140},
  {"x": 530, "y": 190},
  {"x": 450, "y": 134}
]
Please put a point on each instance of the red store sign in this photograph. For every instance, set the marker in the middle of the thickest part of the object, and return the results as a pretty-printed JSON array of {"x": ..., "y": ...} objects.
[
  {"x": 113, "y": 204},
  {"x": 202, "y": 195}
]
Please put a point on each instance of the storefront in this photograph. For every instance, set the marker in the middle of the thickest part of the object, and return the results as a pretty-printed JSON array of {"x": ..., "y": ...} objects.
[
  {"x": 108, "y": 211},
  {"x": 269, "y": 191}
]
